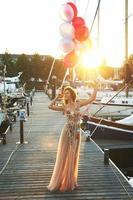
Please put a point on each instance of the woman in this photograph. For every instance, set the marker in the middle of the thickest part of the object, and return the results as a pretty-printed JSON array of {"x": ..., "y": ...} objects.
[{"x": 64, "y": 177}]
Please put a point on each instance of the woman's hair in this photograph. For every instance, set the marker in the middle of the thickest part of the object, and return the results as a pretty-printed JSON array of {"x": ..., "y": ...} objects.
[{"x": 72, "y": 92}]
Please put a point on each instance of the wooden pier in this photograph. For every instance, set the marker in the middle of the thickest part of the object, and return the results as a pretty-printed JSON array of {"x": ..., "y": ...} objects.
[{"x": 26, "y": 169}]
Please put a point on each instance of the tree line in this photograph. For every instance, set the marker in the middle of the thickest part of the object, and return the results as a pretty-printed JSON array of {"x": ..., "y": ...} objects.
[
  {"x": 38, "y": 67},
  {"x": 34, "y": 66}
]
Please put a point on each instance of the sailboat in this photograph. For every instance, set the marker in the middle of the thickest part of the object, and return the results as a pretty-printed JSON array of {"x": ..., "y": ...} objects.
[
  {"x": 118, "y": 108},
  {"x": 100, "y": 128}
]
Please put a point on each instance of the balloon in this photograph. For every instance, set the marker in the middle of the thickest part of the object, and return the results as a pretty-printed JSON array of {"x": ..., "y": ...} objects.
[
  {"x": 74, "y": 8},
  {"x": 78, "y": 21},
  {"x": 83, "y": 46},
  {"x": 70, "y": 59},
  {"x": 67, "y": 45},
  {"x": 87, "y": 44},
  {"x": 81, "y": 33},
  {"x": 66, "y": 12},
  {"x": 67, "y": 30}
]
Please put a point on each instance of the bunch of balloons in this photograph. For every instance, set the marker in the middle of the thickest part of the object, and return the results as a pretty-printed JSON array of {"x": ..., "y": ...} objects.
[{"x": 74, "y": 32}]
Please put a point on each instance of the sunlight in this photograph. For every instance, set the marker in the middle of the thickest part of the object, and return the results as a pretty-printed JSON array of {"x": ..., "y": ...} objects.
[
  {"x": 90, "y": 59},
  {"x": 35, "y": 29}
]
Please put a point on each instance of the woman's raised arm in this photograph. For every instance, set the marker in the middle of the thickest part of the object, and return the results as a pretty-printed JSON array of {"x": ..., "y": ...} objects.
[
  {"x": 53, "y": 106},
  {"x": 90, "y": 100}
]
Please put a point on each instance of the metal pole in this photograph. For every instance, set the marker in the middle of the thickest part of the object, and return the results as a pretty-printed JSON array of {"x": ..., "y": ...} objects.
[
  {"x": 31, "y": 100},
  {"x": 21, "y": 131},
  {"x": 106, "y": 156},
  {"x": 22, "y": 119},
  {"x": 28, "y": 110},
  {"x": 98, "y": 29},
  {"x": 4, "y": 73}
]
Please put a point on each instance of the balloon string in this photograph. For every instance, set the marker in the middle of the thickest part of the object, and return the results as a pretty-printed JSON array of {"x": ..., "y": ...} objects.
[
  {"x": 51, "y": 69},
  {"x": 86, "y": 8},
  {"x": 67, "y": 72},
  {"x": 61, "y": 86}
]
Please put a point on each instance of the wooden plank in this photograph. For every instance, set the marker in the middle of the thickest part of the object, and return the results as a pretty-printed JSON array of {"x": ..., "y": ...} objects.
[{"x": 30, "y": 168}]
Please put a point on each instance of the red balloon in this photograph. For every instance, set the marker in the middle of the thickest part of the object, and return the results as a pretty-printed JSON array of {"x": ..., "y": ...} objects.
[
  {"x": 73, "y": 6},
  {"x": 78, "y": 21},
  {"x": 70, "y": 59},
  {"x": 81, "y": 33}
]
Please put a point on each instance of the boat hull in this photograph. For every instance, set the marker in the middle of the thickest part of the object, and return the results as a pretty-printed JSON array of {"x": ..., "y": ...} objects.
[{"x": 105, "y": 129}]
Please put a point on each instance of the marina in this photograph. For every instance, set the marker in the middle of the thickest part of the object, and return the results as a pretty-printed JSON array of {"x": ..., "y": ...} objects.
[
  {"x": 26, "y": 168},
  {"x": 66, "y": 103}
]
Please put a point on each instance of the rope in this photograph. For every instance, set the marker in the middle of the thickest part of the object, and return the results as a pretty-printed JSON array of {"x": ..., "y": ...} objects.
[
  {"x": 95, "y": 15},
  {"x": 115, "y": 173},
  {"x": 124, "y": 87},
  {"x": 95, "y": 127},
  {"x": 106, "y": 113},
  {"x": 100, "y": 123},
  {"x": 121, "y": 183},
  {"x": 12, "y": 153}
]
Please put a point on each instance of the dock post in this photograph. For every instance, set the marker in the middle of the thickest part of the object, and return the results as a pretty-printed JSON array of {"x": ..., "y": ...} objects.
[
  {"x": 27, "y": 104},
  {"x": 106, "y": 156},
  {"x": 22, "y": 119},
  {"x": 21, "y": 131},
  {"x": 31, "y": 100},
  {"x": 28, "y": 110}
]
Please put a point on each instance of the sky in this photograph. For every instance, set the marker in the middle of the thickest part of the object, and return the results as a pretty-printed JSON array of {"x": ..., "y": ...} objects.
[{"x": 32, "y": 26}]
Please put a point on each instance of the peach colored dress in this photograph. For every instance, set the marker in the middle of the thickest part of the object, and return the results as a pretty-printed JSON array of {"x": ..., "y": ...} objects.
[{"x": 64, "y": 177}]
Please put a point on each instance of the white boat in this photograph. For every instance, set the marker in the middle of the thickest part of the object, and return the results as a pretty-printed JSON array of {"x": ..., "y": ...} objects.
[
  {"x": 127, "y": 121},
  {"x": 119, "y": 107},
  {"x": 131, "y": 181},
  {"x": 100, "y": 128},
  {"x": 84, "y": 92},
  {"x": 11, "y": 86}
]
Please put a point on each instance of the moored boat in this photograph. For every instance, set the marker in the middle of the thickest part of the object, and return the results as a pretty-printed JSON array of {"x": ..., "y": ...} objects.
[{"x": 107, "y": 129}]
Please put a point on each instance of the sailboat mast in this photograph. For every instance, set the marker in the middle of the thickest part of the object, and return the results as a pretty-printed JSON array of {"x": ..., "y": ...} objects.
[
  {"x": 126, "y": 29},
  {"x": 98, "y": 29},
  {"x": 126, "y": 38}
]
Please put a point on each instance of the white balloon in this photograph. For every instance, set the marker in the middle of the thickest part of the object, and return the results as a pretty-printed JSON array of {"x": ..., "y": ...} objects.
[
  {"x": 83, "y": 46},
  {"x": 66, "y": 12},
  {"x": 67, "y": 30},
  {"x": 67, "y": 45},
  {"x": 78, "y": 45}
]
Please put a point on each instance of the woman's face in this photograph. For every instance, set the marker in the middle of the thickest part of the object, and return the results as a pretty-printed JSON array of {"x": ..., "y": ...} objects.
[{"x": 67, "y": 95}]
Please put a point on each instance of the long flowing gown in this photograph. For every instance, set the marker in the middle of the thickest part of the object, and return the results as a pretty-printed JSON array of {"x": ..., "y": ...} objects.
[{"x": 65, "y": 173}]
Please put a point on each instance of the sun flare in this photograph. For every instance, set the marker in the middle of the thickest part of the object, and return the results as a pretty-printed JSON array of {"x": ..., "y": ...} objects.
[{"x": 90, "y": 59}]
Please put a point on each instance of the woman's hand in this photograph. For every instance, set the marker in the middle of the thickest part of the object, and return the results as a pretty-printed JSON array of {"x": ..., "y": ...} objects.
[
  {"x": 55, "y": 107},
  {"x": 91, "y": 98},
  {"x": 54, "y": 100}
]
